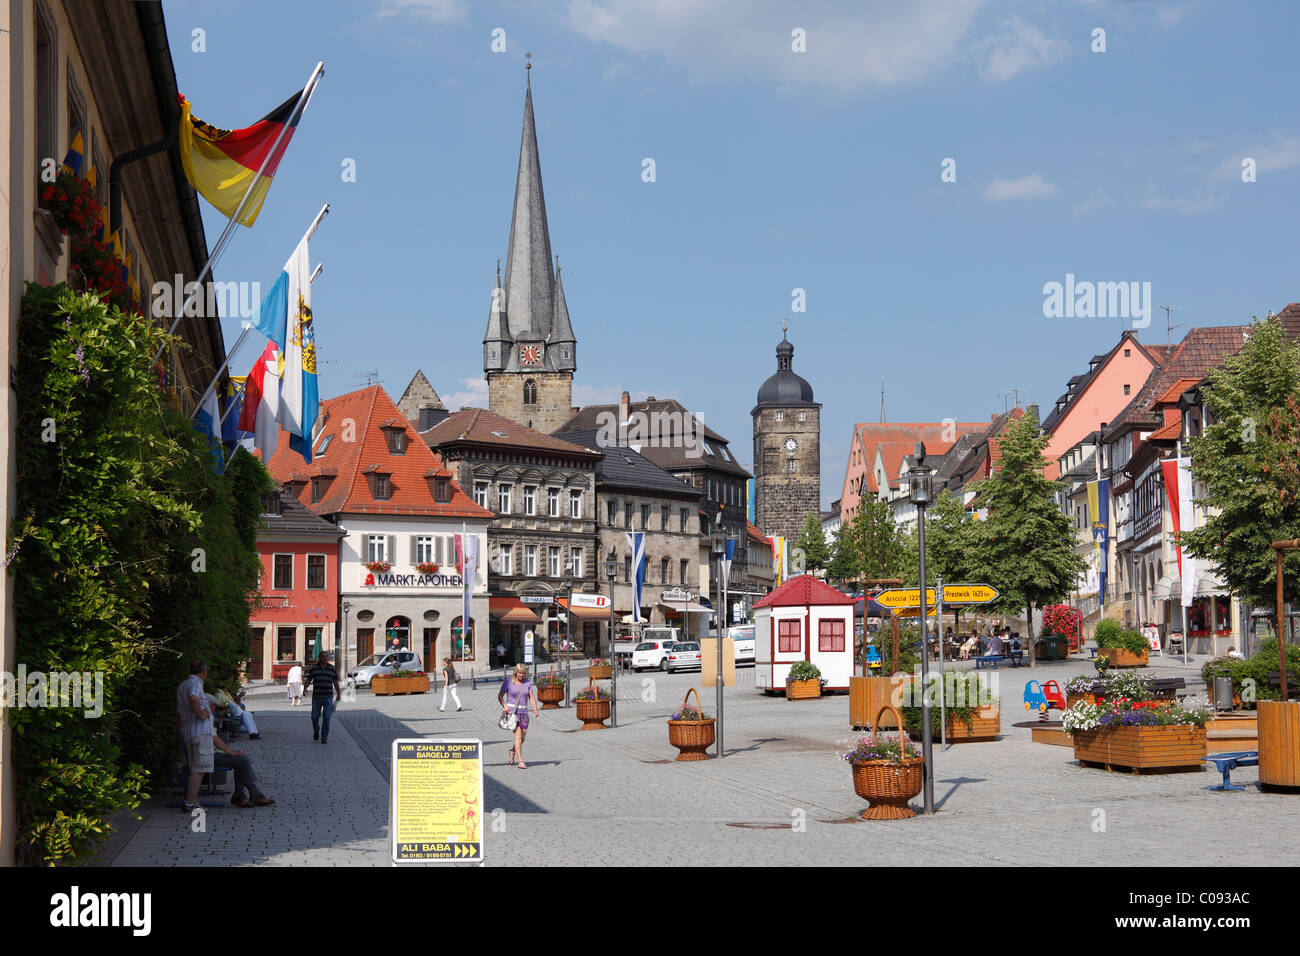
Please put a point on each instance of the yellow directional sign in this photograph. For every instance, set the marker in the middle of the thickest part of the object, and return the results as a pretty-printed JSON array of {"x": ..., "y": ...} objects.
[
  {"x": 904, "y": 597},
  {"x": 914, "y": 611},
  {"x": 968, "y": 594},
  {"x": 436, "y": 800}
]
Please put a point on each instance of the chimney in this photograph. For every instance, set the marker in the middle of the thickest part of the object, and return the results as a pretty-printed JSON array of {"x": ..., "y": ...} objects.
[{"x": 430, "y": 417}]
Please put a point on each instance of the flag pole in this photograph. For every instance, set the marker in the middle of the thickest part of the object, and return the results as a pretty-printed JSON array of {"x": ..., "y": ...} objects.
[
  {"x": 317, "y": 72},
  {"x": 311, "y": 231}
]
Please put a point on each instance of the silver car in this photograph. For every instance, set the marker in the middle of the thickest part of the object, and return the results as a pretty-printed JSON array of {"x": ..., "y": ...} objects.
[
  {"x": 377, "y": 665},
  {"x": 684, "y": 656}
]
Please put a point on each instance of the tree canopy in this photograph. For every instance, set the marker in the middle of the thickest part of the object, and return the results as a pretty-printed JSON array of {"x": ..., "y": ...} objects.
[{"x": 812, "y": 542}]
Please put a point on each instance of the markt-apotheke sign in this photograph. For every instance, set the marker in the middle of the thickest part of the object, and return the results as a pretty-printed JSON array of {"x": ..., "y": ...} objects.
[{"x": 387, "y": 579}]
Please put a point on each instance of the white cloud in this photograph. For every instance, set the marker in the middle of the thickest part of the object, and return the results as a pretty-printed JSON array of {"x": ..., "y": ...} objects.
[
  {"x": 473, "y": 394},
  {"x": 849, "y": 45},
  {"x": 1098, "y": 200},
  {"x": 1192, "y": 205},
  {"x": 439, "y": 11},
  {"x": 1016, "y": 46},
  {"x": 1281, "y": 154},
  {"x": 1032, "y": 186}
]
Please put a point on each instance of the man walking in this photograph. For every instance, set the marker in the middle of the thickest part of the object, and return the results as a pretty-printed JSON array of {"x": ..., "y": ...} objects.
[
  {"x": 195, "y": 720},
  {"x": 323, "y": 678}
]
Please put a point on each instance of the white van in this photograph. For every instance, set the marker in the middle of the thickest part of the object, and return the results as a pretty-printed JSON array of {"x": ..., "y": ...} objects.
[{"x": 743, "y": 638}]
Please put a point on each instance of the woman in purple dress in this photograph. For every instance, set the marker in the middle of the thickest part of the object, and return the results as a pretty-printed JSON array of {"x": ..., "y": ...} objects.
[{"x": 516, "y": 693}]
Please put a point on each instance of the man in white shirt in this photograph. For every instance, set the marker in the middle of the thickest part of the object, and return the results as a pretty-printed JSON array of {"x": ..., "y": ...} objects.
[{"x": 194, "y": 719}]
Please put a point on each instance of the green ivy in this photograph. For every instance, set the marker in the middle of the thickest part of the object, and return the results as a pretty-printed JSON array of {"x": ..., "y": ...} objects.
[{"x": 115, "y": 491}]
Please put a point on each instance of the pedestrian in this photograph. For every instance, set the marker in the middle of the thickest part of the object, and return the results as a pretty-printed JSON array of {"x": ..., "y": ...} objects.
[
  {"x": 194, "y": 722},
  {"x": 501, "y": 653},
  {"x": 516, "y": 693},
  {"x": 245, "y": 777},
  {"x": 450, "y": 680},
  {"x": 295, "y": 685},
  {"x": 324, "y": 678}
]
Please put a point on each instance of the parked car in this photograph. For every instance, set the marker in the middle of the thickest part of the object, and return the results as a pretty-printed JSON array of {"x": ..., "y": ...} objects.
[
  {"x": 743, "y": 638},
  {"x": 684, "y": 656},
  {"x": 652, "y": 654},
  {"x": 377, "y": 665}
]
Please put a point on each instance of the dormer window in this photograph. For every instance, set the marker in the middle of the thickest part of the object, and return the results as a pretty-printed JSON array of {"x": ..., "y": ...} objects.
[
  {"x": 380, "y": 482},
  {"x": 442, "y": 490},
  {"x": 271, "y": 504},
  {"x": 396, "y": 438}
]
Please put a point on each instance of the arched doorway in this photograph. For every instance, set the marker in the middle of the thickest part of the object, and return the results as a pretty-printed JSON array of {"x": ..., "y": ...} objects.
[{"x": 400, "y": 628}]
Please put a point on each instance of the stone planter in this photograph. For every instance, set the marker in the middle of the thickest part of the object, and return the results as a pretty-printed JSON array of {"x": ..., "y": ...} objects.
[
  {"x": 1119, "y": 657},
  {"x": 1160, "y": 749},
  {"x": 985, "y": 724},
  {"x": 803, "y": 689},
  {"x": 1279, "y": 743},
  {"x": 867, "y": 695},
  {"x": 593, "y": 714},
  {"x": 393, "y": 685}
]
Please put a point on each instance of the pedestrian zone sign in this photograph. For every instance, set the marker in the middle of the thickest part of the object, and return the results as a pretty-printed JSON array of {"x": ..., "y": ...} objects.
[{"x": 436, "y": 801}]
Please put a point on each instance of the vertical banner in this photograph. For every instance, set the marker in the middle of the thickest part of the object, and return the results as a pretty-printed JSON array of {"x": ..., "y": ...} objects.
[
  {"x": 636, "y": 542},
  {"x": 1178, "y": 492},
  {"x": 1099, "y": 508},
  {"x": 778, "y": 558},
  {"x": 469, "y": 571}
]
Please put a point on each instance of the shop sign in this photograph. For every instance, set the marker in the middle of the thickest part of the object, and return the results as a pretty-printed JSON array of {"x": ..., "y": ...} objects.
[{"x": 388, "y": 580}]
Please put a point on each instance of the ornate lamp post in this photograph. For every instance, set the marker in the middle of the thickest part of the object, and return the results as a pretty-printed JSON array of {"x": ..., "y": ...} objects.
[
  {"x": 611, "y": 568},
  {"x": 920, "y": 481}
]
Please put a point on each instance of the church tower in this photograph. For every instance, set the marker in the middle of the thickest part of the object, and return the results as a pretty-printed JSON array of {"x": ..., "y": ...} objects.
[
  {"x": 787, "y": 450},
  {"x": 529, "y": 350}
]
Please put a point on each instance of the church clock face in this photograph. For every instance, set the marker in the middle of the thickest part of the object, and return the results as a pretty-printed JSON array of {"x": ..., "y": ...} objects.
[
  {"x": 530, "y": 355},
  {"x": 791, "y": 445}
]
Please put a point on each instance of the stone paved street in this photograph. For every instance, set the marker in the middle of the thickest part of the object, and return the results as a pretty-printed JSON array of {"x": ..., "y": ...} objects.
[{"x": 780, "y": 796}]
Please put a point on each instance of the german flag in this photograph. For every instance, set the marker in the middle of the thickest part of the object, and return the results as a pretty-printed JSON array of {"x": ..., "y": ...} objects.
[{"x": 220, "y": 163}]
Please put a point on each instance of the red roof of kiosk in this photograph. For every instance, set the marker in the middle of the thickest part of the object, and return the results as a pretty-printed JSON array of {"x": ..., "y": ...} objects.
[{"x": 804, "y": 591}]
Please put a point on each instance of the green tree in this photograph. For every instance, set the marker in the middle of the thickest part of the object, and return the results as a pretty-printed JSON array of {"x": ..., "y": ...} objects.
[
  {"x": 875, "y": 546},
  {"x": 840, "y": 568},
  {"x": 1248, "y": 462},
  {"x": 812, "y": 542},
  {"x": 1026, "y": 547}
]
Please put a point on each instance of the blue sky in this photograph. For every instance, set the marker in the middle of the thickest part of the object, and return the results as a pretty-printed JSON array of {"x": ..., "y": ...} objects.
[{"x": 775, "y": 170}]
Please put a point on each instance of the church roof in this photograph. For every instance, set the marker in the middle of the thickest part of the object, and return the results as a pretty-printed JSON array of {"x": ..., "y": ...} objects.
[{"x": 784, "y": 387}]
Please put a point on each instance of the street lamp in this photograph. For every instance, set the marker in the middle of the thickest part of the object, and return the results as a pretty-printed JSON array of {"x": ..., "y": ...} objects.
[
  {"x": 611, "y": 568},
  {"x": 341, "y": 650},
  {"x": 920, "y": 481},
  {"x": 568, "y": 632}
]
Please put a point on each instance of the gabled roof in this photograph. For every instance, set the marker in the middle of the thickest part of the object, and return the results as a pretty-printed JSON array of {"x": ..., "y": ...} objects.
[
  {"x": 668, "y": 455},
  {"x": 295, "y": 518},
  {"x": 755, "y": 535},
  {"x": 360, "y": 417},
  {"x": 804, "y": 591},
  {"x": 1202, "y": 348},
  {"x": 1081, "y": 382},
  {"x": 905, "y": 435},
  {"x": 482, "y": 427},
  {"x": 623, "y": 467}
]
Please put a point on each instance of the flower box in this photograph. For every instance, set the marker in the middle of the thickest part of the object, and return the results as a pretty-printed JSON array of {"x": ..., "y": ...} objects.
[
  {"x": 1120, "y": 657},
  {"x": 1171, "y": 748},
  {"x": 405, "y": 684},
  {"x": 803, "y": 689},
  {"x": 1279, "y": 743},
  {"x": 985, "y": 724}
]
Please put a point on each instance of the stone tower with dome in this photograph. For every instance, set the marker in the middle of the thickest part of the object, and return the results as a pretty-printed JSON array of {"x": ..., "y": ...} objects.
[{"x": 787, "y": 450}]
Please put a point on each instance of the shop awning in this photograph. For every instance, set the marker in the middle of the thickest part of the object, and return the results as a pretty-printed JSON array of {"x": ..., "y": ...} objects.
[
  {"x": 511, "y": 611},
  {"x": 691, "y": 607},
  {"x": 584, "y": 613},
  {"x": 1207, "y": 585}
]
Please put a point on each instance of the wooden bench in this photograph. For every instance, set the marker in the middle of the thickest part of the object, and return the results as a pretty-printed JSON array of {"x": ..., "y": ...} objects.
[{"x": 1228, "y": 762}]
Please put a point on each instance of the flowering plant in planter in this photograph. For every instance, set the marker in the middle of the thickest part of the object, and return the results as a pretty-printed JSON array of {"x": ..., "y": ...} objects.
[
  {"x": 426, "y": 567},
  {"x": 1121, "y": 712},
  {"x": 1124, "y": 683},
  {"x": 71, "y": 200},
  {"x": 591, "y": 693},
  {"x": 892, "y": 747},
  {"x": 805, "y": 670},
  {"x": 550, "y": 680},
  {"x": 378, "y": 567},
  {"x": 1061, "y": 619},
  {"x": 690, "y": 713},
  {"x": 599, "y": 662}
]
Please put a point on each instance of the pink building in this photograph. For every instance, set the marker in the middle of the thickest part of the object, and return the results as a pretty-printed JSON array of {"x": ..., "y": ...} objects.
[{"x": 296, "y": 615}]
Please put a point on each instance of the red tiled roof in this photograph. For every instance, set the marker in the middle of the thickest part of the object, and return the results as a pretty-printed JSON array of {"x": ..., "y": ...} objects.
[
  {"x": 360, "y": 417},
  {"x": 904, "y": 435},
  {"x": 484, "y": 427},
  {"x": 1175, "y": 391},
  {"x": 755, "y": 535},
  {"x": 804, "y": 591},
  {"x": 1202, "y": 348},
  {"x": 1290, "y": 319},
  {"x": 1171, "y": 432}
]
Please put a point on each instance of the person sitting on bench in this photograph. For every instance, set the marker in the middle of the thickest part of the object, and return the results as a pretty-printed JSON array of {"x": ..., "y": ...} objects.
[
  {"x": 223, "y": 701},
  {"x": 995, "y": 644},
  {"x": 245, "y": 776}
]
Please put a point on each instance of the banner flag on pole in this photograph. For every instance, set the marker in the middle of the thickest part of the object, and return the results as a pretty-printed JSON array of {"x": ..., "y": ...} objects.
[
  {"x": 72, "y": 160},
  {"x": 1099, "y": 508},
  {"x": 726, "y": 559},
  {"x": 262, "y": 402},
  {"x": 222, "y": 163},
  {"x": 207, "y": 421},
  {"x": 1178, "y": 490},
  {"x": 299, "y": 354},
  {"x": 636, "y": 542}
]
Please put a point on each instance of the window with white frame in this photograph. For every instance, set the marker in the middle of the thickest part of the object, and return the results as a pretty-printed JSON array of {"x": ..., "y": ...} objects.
[
  {"x": 315, "y": 572},
  {"x": 530, "y": 560},
  {"x": 376, "y": 547},
  {"x": 507, "y": 561},
  {"x": 553, "y": 562},
  {"x": 282, "y": 569},
  {"x": 481, "y": 493},
  {"x": 530, "y": 500},
  {"x": 575, "y": 561},
  {"x": 424, "y": 549},
  {"x": 503, "y": 499},
  {"x": 575, "y": 504},
  {"x": 553, "y": 502}
]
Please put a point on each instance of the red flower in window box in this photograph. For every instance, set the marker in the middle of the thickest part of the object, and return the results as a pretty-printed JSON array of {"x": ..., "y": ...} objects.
[
  {"x": 378, "y": 567},
  {"x": 426, "y": 567}
]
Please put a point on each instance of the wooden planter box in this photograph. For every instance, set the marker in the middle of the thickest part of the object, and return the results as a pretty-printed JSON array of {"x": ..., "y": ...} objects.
[
  {"x": 593, "y": 714},
  {"x": 803, "y": 689},
  {"x": 1162, "y": 749},
  {"x": 1279, "y": 743},
  {"x": 868, "y": 694},
  {"x": 985, "y": 724},
  {"x": 1119, "y": 657},
  {"x": 601, "y": 672},
  {"x": 384, "y": 686},
  {"x": 550, "y": 696}
]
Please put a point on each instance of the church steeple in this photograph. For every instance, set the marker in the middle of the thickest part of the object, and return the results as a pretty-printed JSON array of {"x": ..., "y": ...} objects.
[
  {"x": 563, "y": 344},
  {"x": 530, "y": 285},
  {"x": 496, "y": 344}
]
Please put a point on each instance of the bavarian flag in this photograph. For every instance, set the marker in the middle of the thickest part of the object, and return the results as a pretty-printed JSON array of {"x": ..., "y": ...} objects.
[{"x": 221, "y": 163}]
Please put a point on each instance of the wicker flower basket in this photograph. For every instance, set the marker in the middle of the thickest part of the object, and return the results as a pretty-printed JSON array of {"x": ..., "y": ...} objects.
[
  {"x": 888, "y": 786},
  {"x": 551, "y": 694},
  {"x": 692, "y": 738},
  {"x": 600, "y": 671},
  {"x": 592, "y": 713}
]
